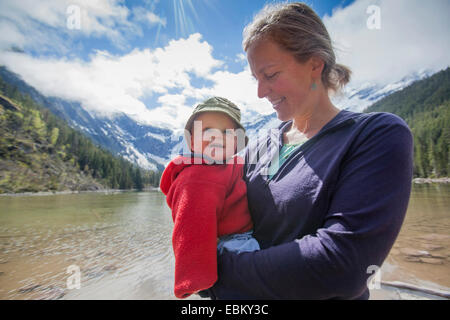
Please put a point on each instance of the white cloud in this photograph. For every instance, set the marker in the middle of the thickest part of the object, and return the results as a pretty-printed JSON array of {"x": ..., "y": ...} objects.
[
  {"x": 241, "y": 89},
  {"x": 241, "y": 58},
  {"x": 142, "y": 14},
  {"x": 108, "y": 84},
  {"x": 188, "y": 55},
  {"x": 413, "y": 36},
  {"x": 154, "y": 19},
  {"x": 49, "y": 12},
  {"x": 10, "y": 36},
  {"x": 45, "y": 23}
]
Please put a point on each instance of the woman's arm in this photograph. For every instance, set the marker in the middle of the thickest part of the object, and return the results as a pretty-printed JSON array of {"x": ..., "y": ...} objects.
[{"x": 364, "y": 217}]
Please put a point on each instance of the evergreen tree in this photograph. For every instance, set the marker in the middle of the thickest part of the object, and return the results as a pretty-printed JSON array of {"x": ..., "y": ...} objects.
[
  {"x": 425, "y": 106},
  {"x": 67, "y": 143}
]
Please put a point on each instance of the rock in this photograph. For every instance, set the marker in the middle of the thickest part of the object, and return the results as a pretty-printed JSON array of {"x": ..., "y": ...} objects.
[
  {"x": 432, "y": 247},
  {"x": 414, "y": 253},
  {"x": 412, "y": 259},
  {"x": 101, "y": 253},
  {"x": 435, "y": 237},
  {"x": 1, "y": 273},
  {"x": 432, "y": 260},
  {"x": 439, "y": 256},
  {"x": 52, "y": 293},
  {"x": 8, "y": 104},
  {"x": 109, "y": 268},
  {"x": 29, "y": 288},
  {"x": 91, "y": 275}
]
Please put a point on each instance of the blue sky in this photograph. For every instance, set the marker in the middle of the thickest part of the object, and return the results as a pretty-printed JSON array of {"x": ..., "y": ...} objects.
[
  {"x": 220, "y": 22},
  {"x": 155, "y": 59}
]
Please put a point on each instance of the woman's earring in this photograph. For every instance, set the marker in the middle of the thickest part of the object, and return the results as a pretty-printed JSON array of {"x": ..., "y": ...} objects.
[{"x": 313, "y": 86}]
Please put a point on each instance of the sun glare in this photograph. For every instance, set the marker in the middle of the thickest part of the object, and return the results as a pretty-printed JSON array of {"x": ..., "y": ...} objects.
[{"x": 185, "y": 16}]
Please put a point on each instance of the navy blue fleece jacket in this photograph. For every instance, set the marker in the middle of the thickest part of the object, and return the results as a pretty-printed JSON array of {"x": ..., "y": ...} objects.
[{"x": 333, "y": 209}]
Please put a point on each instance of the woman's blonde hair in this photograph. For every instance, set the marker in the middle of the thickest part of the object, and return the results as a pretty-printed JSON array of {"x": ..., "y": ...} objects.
[{"x": 298, "y": 29}]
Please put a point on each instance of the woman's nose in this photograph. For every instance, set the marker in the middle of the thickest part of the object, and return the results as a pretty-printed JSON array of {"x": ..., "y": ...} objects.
[{"x": 263, "y": 89}]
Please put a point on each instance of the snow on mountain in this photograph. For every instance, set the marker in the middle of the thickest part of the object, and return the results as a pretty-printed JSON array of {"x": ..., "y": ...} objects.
[
  {"x": 362, "y": 96},
  {"x": 256, "y": 124}
]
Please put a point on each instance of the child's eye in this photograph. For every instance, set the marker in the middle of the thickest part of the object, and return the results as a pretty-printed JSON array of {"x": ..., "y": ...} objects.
[
  {"x": 208, "y": 133},
  {"x": 229, "y": 132}
]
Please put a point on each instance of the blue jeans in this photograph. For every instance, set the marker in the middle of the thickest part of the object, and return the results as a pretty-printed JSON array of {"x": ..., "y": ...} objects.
[{"x": 238, "y": 242}]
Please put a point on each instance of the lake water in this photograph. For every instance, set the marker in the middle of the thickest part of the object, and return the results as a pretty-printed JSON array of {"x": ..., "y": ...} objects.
[{"x": 121, "y": 245}]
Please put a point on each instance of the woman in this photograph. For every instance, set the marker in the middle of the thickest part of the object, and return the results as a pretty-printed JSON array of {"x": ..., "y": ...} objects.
[{"x": 327, "y": 195}]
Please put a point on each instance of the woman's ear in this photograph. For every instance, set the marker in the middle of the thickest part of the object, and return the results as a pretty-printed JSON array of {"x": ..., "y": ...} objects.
[{"x": 317, "y": 65}]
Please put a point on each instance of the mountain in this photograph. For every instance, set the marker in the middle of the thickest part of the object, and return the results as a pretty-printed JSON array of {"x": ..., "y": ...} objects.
[
  {"x": 151, "y": 147},
  {"x": 40, "y": 152},
  {"x": 425, "y": 106},
  {"x": 29, "y": 160},
  {"x": 142, "y": 144},
  {"x": 358, "y": 98}
]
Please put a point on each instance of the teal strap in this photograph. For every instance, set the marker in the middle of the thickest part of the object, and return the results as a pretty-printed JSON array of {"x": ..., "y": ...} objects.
[{"x": 285, "y": 151}]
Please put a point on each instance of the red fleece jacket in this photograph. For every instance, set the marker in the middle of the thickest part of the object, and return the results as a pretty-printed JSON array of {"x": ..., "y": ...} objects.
[{"x": 207, "y": 201}]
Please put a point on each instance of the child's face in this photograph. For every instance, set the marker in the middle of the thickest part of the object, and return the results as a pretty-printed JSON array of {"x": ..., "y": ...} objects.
[{"x": 212, "y": 134}]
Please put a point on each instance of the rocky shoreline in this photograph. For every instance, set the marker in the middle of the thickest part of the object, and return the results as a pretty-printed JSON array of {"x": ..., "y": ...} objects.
[
  {"x": 431, "y": 180},
  {"x": 52, "y": 193}
]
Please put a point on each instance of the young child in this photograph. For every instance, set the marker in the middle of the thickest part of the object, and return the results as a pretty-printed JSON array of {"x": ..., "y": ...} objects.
[{"x": 208, "y": 196}]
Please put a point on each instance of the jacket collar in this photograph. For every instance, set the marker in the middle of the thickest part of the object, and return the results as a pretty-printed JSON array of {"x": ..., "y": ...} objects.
[{"x": 342, "y": 119}]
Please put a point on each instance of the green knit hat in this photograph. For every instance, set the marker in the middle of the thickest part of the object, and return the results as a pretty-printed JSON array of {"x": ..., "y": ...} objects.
[{"x": 217, "y": 104}]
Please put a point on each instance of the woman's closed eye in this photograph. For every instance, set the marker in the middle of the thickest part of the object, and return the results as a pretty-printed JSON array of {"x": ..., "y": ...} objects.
[{"x": 271, "y": 76}]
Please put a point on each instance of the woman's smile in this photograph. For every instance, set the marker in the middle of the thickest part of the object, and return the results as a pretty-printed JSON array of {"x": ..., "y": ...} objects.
[{"x": 276, "y": 103}]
